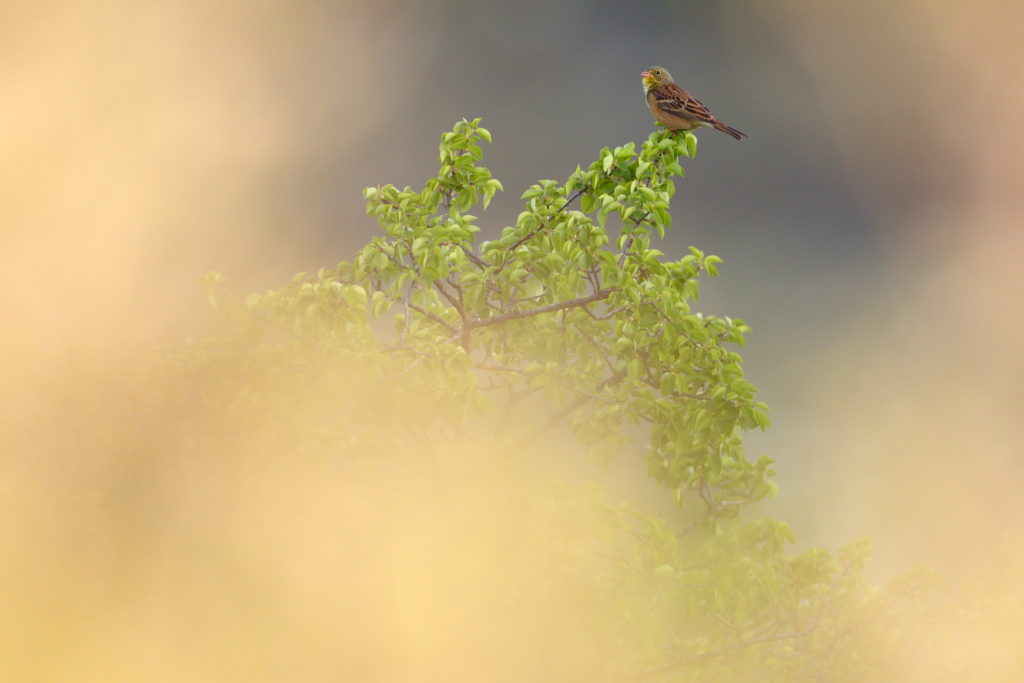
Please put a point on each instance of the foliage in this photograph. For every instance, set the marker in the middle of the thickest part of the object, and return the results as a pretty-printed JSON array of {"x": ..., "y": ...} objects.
[
  {"x": 608, "y": 334},
  {"x": 572, "y": 317}
]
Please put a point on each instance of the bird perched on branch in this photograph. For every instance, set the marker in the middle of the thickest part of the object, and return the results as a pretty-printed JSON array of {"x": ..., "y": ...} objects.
[{"x": 676, "y": 108}]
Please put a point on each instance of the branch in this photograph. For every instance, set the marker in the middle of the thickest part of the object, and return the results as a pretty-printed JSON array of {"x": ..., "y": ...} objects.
[
  {"x": 629, "y": 240},
  {"x": 516, "y": 302},
  {"x": 515, "y": 315},
  {"x": 500, "y": 368},
  {"x": 269, "y": 321},
  {"x": 607, "y": 315},
  {"x": 682, "y": 394},
  {"x": 571, "y": 408},
  {"x": 479, "y": 262},
  {"x": 391, "y": 257},
  {"x": 408, "y": 318},
  {"x": 600, "y": 352},
  {"x": 449, "y": 194},
  {"x": 625, "y": 250},
  {"x": 456, "y": 304},
  {"x": 440, "y": 321},
  {"x": 533, "y": 232},
  {"x": 725, "y": 650}
]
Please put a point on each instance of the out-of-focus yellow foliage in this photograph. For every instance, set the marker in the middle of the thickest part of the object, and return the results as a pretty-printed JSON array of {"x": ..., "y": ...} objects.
[
  {"x": 185, "y": 519},
  {"x": 209, "y": 514}
]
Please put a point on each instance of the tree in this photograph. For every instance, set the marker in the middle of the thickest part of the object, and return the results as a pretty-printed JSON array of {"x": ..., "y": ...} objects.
[
  {"x": 609, "y": 334},
  {"x": 572, "y": 318}
]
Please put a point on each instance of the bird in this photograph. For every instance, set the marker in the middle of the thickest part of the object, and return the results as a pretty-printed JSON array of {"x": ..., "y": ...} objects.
[{"x": 676, "y": 108}]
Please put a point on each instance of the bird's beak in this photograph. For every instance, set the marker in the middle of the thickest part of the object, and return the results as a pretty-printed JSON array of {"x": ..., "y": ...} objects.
[{"x": 645, "y": 74}]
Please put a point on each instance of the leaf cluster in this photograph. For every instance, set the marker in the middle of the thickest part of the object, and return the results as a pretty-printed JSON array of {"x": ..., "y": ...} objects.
[{"x": 571, "y": 303}]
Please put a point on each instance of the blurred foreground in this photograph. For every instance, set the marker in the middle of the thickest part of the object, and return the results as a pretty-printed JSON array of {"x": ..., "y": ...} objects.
[
  {"x": 190, "y": 517},
  {"x": 163, "y": 524}
]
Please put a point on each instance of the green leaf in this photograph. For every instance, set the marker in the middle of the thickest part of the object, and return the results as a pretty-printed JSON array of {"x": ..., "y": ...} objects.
[{"x": 691, "y": 145}]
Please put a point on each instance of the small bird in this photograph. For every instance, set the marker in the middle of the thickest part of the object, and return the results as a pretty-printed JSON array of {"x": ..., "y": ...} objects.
[{"x": 676, "y": 108}]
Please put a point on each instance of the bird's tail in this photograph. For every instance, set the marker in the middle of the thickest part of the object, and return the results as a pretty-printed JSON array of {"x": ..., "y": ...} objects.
[{"x": 739, "y": 135}]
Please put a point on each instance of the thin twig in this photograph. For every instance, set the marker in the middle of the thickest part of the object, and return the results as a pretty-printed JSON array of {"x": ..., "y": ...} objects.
[
  {"x": 543, "y": 225},
  {"x": 480, "y": 263},
  {"x": 681, "y": 394},
  {"x": 500, "y": 368},
  {"x": 723, "y": 650},
  {"x": 607, "y": 315},
  {"x": 408, "y": 318},
  {"x": 269, "y": 321},
  {"x": 440, "y": 321},
  {"x": 625, "y": 250},
  {"x": 515, "y": 315},
  {"x": 456, "y": 304},
  {"x": 570, "y": 408}
]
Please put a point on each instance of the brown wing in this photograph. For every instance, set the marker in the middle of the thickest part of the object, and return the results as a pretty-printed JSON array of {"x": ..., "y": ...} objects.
[{"x": 674, "y": 100}]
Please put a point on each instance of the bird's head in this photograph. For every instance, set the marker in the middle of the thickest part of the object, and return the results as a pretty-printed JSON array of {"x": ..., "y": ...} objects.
[{"x": 655, "y": 76}]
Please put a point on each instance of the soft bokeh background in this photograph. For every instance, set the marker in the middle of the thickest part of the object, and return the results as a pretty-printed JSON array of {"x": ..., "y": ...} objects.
[{"x": 871, "y": 226}]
